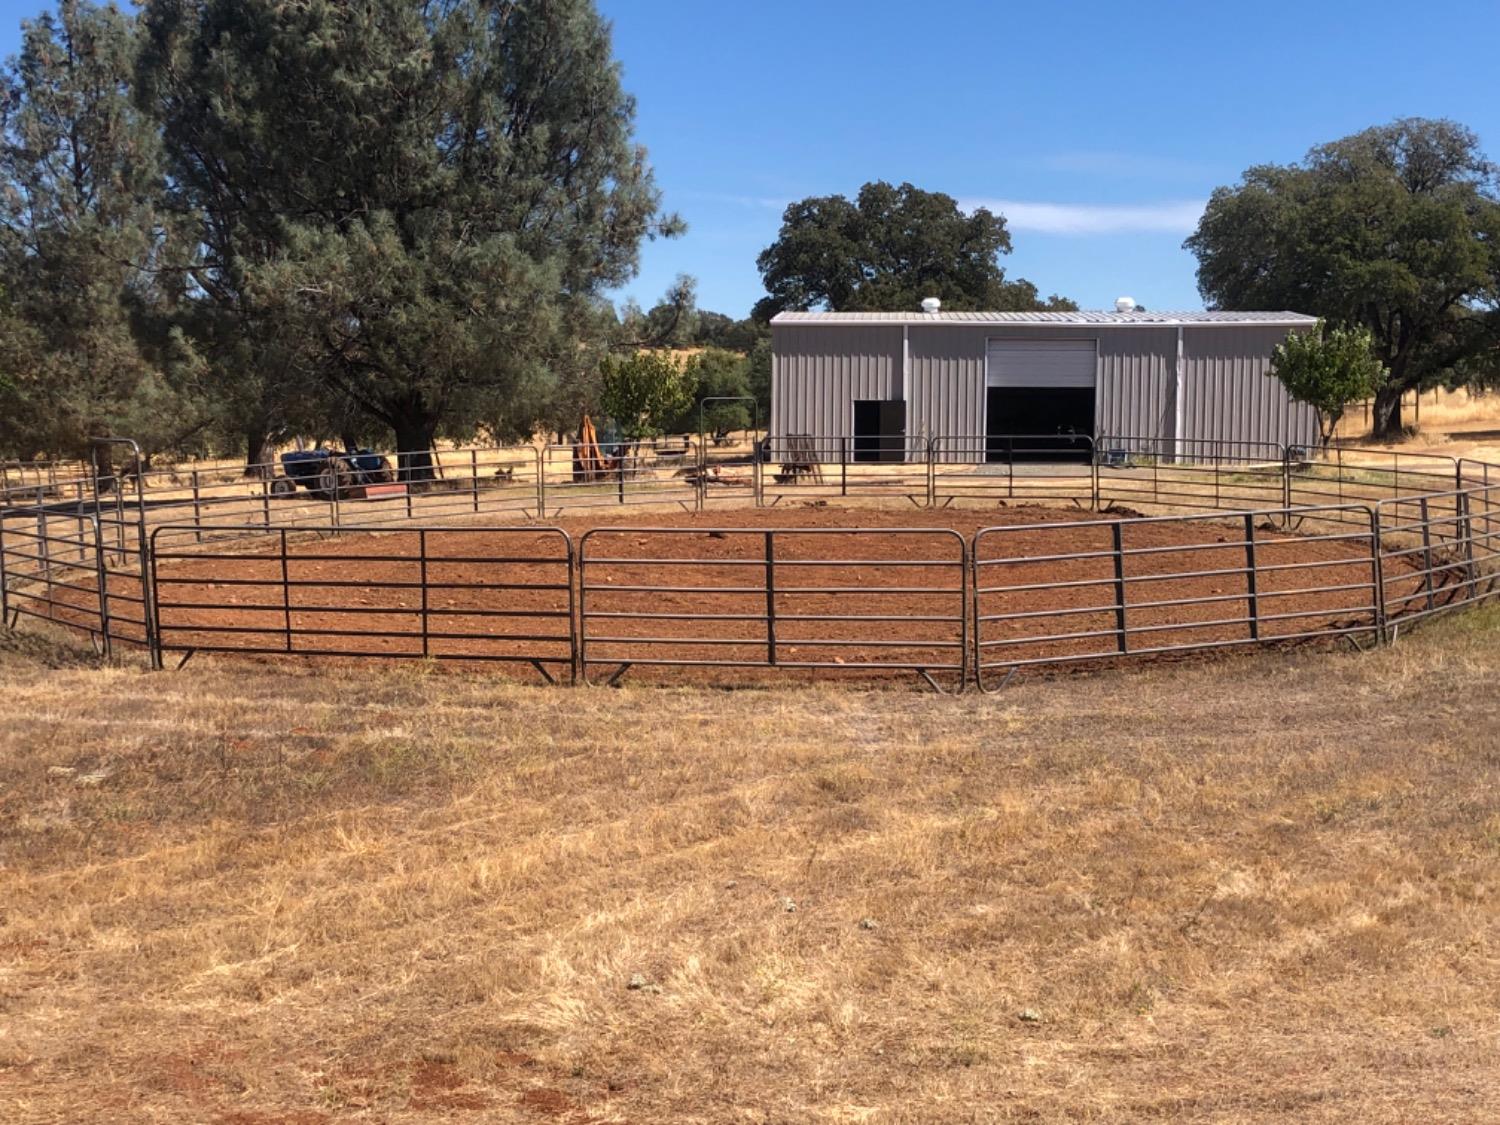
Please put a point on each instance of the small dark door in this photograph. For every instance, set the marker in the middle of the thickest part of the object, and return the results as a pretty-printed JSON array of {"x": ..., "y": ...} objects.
[{"x": 880, "y": 430}]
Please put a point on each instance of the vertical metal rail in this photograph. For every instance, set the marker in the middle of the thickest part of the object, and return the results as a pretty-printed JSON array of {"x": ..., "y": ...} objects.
[
  {"x": 1426, "y": 553},
  {"x": 474, "y": 476},
  {"x": 844, "y": 466},
  {"x": 1377, "y": 574},
  {"x": 1250, "y": 577},
  {"x": 771, "y": 598},
  {"x": 541, "y": 483},
  {"x": 422, "y": 578},
  {"x": 575, "y": 619},
  {"x": 286, "y": 594},
  {"x": 1118, "y": 540},
  {"x": 197, "y": 510},
  {"x": 1466, "y": 533},
  {"x": 102, "y": 576},
  {"x": 4, "y": 585}
]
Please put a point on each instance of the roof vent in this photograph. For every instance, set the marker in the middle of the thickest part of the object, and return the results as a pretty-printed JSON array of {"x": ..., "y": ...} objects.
[
  {"x": 931, "y": 304},
  {"x": 1124, "y": 304}
]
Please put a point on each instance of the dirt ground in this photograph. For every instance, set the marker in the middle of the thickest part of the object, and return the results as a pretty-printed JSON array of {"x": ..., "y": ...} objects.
[{"x": 846, "y": 603}]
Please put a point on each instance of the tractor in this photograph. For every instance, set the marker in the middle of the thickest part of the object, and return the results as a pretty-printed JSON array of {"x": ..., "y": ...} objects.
[{"x": 329, "y": 475}]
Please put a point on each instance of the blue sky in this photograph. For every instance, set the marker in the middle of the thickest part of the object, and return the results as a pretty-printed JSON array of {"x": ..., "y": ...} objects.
[{"x": 1097, "y": 129}]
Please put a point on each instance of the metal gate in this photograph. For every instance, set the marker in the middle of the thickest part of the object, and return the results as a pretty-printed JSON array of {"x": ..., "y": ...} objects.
[
  {"x": 837, "y": 599},
  {"x": 481, "y": 594}
]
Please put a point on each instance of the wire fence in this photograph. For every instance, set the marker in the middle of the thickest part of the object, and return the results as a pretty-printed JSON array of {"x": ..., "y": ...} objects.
[{"x": 1259, "y": 544}]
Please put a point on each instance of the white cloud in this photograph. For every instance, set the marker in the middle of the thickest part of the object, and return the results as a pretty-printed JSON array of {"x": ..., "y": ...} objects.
[
  {"x": 759, "y": 202},
  {"x": 1172, "y": 217}
]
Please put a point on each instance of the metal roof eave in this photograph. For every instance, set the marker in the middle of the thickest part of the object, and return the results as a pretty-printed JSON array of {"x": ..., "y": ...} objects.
[{"x": 1050, "y": 320}]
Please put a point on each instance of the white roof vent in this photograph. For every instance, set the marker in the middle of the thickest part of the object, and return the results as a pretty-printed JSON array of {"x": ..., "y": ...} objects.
[
  {"x": 1124, "y": 304},
  {"x": 931, "y": 304}
]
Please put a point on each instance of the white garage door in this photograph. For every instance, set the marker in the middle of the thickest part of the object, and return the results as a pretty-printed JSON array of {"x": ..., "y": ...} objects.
[{"x": 1040, "y": 363}]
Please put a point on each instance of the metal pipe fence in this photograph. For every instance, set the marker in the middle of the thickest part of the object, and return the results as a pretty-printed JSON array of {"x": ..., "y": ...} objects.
[
  {"x": 810, "y": 467},
  {"x": 863, "y": 599},
  {"x": 428, "y": 593},
  {"x": 1061, "y": 593},
  {"x": 1397, "y": 538}
]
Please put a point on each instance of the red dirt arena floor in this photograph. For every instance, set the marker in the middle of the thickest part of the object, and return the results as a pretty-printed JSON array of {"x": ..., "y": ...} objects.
[{"x": 875, "y": 604}]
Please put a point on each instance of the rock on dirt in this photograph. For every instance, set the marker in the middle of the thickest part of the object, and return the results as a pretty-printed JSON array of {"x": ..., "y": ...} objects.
[{"x": 868, "y": 924}]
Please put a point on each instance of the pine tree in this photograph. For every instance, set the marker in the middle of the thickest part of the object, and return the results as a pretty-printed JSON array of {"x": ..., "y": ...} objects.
[
  {"x": 82, "y": 233},
  {"x": 426, "y": 198}
]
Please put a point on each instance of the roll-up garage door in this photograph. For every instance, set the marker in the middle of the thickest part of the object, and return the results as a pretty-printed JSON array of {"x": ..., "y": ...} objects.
[{"x": 1040, "y": 363}]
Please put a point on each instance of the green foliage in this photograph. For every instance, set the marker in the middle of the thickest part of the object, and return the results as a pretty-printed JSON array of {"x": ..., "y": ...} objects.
[
  {"x": 715, "y": 373},
  {"x": 1396, "y": 228},
  {"x": 645, "y": 393},
  {"x": 1328, "y": 368},
  {"x": 887, "y": 250},
  {"x": 85, "y": 232},
  {"x": 446, "y": 265}
]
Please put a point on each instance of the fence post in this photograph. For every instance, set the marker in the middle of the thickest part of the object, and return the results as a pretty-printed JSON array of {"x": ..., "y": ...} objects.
[
  {"x": 844, "y": 466},
  {"x": 1466, "y": 532},
  {"x": 1286, "y": 483},
  {"x": 474, "y": 475},
  {"x": 1118, "y": 538},
  {"x": 4, "y": 586},
  {"x": 620, "y": 460},
  {"x": 1094, "y": 476},
  {"x": 932, "y": 472},
  {"x": 101, "y": 574},
  {"x": 42, "y": 544},
  {"x": 1250, "y": 577},
  {"x": 286, "y": 594},
  {"x": 1377, "y": 573},
  {"x": 422, "y": 563},
  {"x": 771, "y": 597},
  {"x": 1426, "y": 552},
  {"x": 541, "y": 482},
  {"x": 197, "y": 512}
]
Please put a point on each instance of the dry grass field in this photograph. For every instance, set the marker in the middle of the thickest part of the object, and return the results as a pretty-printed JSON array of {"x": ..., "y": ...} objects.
[{"x": 1257, "y": 889}]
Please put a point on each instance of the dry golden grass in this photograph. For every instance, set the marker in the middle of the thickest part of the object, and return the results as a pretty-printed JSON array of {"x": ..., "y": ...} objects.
[{"x": 1260, "y": 889}]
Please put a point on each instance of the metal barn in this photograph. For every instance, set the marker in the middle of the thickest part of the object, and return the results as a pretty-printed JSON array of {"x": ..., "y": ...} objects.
[{"x": 1174, "y": 383}]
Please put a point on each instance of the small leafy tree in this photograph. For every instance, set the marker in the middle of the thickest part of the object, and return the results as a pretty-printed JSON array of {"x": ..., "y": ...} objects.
[
  {"x": 1328, "y": 368},
  {"x": 718, "y": 374},
  {"x": 645, "y": 392}
]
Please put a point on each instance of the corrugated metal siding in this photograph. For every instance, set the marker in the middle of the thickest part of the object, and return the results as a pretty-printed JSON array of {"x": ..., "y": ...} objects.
[
  {"x": 818, "y": 372},
  {"x": 1229, "y": 395},
  {"x": 1137, "y": 382},
  {"x": 820, "y": 369},
  {"x": 945, "y": 397}
]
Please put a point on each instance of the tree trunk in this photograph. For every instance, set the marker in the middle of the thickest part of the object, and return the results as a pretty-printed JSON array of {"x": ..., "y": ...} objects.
[
  {"x": 1385, "y": 419},
  {"x": 414, "y": 438},
  {"x": 257, "y": 454}
]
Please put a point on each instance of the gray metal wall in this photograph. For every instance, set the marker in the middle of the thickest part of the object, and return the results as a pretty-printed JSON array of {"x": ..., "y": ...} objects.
[
  {"x": 819, "y": 370},
  {"x": 1229, "y": 395}
]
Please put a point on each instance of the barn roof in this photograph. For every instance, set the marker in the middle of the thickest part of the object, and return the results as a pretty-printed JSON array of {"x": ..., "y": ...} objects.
[{"x": 1081, "y": 318}]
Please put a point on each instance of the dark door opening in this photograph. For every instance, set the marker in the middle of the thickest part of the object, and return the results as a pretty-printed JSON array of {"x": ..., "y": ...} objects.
[
  {"x": 879, "y": 430},
  {"x": 1039, "y": 423}
]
